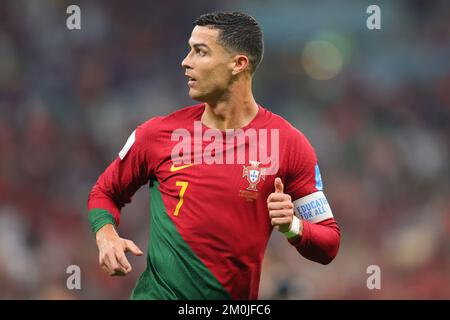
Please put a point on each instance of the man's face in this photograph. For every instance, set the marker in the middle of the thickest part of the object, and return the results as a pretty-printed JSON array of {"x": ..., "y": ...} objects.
[{"x": 208, "y": 65}]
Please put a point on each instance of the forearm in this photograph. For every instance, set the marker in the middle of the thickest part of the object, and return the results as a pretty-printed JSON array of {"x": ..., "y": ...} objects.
[
  {"x": 106, "y": 198},
  {"x": 319, "y": 242},
  {"x": 102, "y": 208}
]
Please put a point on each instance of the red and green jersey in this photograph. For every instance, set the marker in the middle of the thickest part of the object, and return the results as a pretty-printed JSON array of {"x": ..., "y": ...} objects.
[{"x": 209, "y": 222}]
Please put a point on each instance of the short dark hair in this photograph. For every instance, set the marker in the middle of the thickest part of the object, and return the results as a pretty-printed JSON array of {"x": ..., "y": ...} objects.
[{"x": 238, "y": 32}]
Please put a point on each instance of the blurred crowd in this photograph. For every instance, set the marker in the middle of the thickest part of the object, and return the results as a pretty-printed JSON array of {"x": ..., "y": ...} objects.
[{"x": 379, "y": 125}]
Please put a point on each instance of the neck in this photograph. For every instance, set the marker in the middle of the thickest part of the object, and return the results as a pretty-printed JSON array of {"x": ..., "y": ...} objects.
[{"x": 237, "y": 109}]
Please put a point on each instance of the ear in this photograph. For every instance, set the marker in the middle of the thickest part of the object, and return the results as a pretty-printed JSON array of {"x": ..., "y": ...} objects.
[{"x": 241, "y": 63}]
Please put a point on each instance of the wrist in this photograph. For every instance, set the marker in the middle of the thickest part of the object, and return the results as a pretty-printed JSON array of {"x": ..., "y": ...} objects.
[
  {"x": 108, "y": 231},
  {"x": 295, "y": 228},
  {"x": 98, "y": 218}
]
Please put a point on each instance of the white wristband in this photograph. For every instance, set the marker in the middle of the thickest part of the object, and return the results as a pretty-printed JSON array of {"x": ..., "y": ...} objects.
[{"x": 294, "y": 230}]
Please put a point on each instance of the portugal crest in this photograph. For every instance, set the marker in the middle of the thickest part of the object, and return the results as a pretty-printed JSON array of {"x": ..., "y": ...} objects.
[{"x": 254, "y": 174}]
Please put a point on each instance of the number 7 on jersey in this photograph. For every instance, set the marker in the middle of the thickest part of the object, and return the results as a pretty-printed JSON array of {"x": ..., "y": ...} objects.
[{"x": 183, "y": 185}]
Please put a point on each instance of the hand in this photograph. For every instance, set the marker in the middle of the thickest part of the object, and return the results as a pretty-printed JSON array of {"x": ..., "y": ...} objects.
[
  {"x": 281, "y": 208},
  {"x": 112, "y": 251}
]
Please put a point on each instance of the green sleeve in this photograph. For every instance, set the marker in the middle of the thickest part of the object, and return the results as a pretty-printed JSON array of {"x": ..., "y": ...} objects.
[{"x": 99, "y": 217}]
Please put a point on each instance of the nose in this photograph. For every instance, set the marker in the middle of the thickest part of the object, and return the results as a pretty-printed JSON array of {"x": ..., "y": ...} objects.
[{"x": 186, "y": 62}]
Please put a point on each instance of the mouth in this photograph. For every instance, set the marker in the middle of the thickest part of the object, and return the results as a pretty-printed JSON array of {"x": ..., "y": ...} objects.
[{"x": 191, "y": 80}]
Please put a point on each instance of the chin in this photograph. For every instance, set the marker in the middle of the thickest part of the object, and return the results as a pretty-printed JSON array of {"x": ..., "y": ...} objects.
[{"x": 195, "y": 95}]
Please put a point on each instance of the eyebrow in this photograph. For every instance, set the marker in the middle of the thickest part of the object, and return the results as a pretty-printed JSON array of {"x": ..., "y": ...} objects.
[{"x": 199, "y": 45}]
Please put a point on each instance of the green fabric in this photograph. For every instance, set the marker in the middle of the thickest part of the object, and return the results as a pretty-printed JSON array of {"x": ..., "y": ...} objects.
[
  {"x": 173, "y": 270},
  {"x": 99, "y": 217}
]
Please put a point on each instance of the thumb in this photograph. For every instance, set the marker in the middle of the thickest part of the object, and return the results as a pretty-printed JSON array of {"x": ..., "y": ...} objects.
[
  {"x": 278, "y": 185},
  {"x": 133, "y": 248}
]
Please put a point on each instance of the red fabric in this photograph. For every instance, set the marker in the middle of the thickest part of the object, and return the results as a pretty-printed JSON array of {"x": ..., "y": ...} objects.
[
  {"x": 218, "y": 220},
  {"x": 320, "y": 241}
]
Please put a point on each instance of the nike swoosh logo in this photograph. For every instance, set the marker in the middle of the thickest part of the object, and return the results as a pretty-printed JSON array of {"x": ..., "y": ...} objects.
[{"x": 173, "y": 168}]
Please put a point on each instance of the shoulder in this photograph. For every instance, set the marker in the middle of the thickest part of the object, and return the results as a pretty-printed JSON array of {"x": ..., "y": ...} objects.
[
  {"x": 292, "y": 141},
  {"x": 287, "y": 130}
]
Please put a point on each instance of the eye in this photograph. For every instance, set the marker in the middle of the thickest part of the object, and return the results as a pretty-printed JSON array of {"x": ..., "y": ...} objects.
[{"x": 201, "y": 53}]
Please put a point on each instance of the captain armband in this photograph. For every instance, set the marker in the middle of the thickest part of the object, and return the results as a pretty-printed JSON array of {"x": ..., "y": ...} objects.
[{"x": 313, "y": 207}]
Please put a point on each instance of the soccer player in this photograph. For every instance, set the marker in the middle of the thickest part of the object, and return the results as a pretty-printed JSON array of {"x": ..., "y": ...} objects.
[{"x": 214, "y": 200}]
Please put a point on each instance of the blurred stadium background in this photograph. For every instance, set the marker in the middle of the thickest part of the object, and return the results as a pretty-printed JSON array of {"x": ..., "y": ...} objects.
[{"x": 375, "y": 105}]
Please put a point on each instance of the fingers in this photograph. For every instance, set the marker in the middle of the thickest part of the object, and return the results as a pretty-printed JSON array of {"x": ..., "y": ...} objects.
[
  {"x": 280, "y": 214},
  {"x": 113, "y": 260},
  {"x": 105, "y": 268},
  {"x": 278, "y": 185},
  {"x": 274, "y": 197},
  {"x": 280, "y": 205},
  {"x": 282, "y": 223},
  {"x": 133, "y": 248},
  {"x": 112, "y": 265},
  {"x": 123, "y": 261}
]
